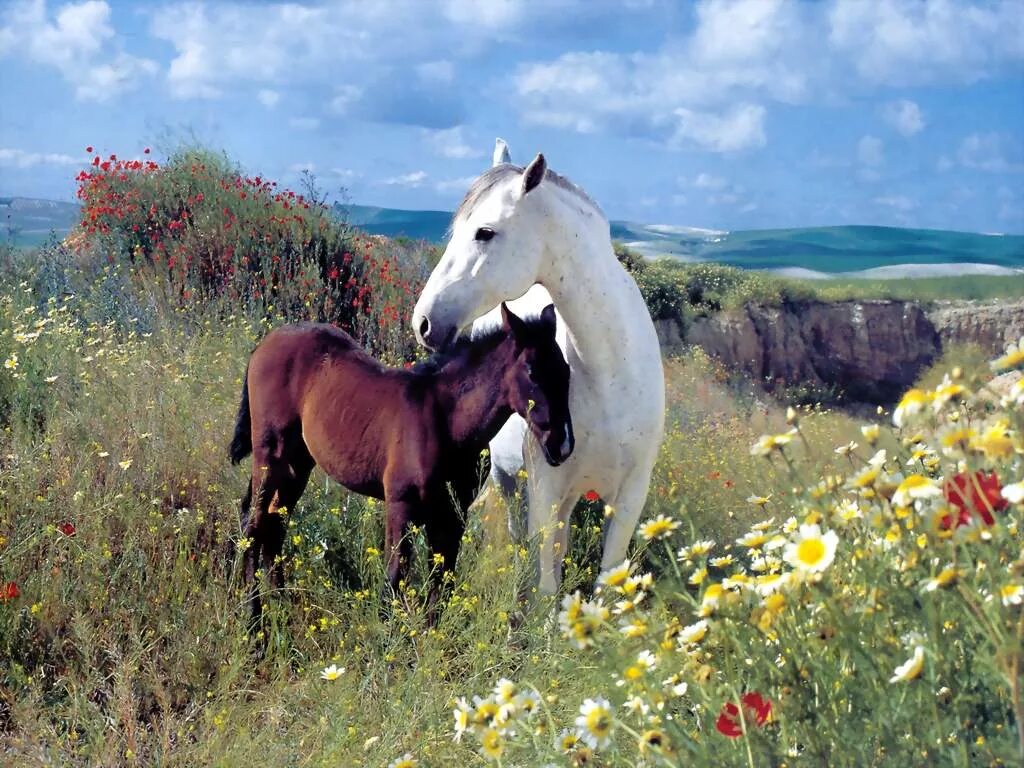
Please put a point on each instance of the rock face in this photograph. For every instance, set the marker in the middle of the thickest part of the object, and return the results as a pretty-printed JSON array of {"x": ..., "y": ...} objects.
[{"x": 866, "y": 351}]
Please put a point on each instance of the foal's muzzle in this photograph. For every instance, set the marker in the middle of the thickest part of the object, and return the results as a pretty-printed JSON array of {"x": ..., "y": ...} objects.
[{"x": 556, "y": 455}]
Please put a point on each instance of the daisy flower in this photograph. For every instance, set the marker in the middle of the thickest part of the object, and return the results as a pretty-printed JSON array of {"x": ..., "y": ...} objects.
[
  {"x": 1014, "y": 492},
  {"x": 405, "y": 761},
  {"x": 1012, "y": 594},
  {"x": 914, "y": 488},
  {"x": 492, "y": 744},
  {"x": 1014, "y": 357},
  {"x": 909, "y": 669},
  {"x": 595, "y": 722},
  {"x": 660, "y": 527},
  {"x": 912, "y": 403},
  {"x": 693, "y": 633},
  {"x": 811, "y": 551},
  {"x": 332, "y": 672}
]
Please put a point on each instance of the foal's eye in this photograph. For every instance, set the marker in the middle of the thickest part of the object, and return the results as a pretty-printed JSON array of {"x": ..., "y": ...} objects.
[{"x": 484, "y": 234}]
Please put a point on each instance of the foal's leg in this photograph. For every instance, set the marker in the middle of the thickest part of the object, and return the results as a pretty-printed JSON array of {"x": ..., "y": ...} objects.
[
  {"x": 397, "y": 545},
  {"x": 286, "y": 498}
]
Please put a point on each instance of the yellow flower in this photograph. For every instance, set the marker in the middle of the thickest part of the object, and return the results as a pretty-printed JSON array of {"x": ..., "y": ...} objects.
[
  {"x": 595, "y": 722},
  {"x": 567, "y": 741},
  {"x": 654, "y": 741},
  {"x": 909, "y": 669},
  {"x": 912, "y": 403},
  {"x": 615, "y": 577},
  {"x": 812, "y": 551},
  {"x": 914, "y": 488},
  {"x": 693, "y": 633},
  {"x": 698, "y": 576},
  {"x": 844, "y": 450},
  {"x": 753, "y": 539},
  {"x": 492, "y": 744},
  {"x": 722, "y": 562},
  {"x": 660, "y": 527},
  {"x": 759, "y": 500},
  {"x": 1013, "y": 358},
  {"x": 405, "y": 761},
  {"x": 996, "y": 441},
  {"x": 944, "y": 578},
  {"x": 1012, "y": 594},
  {"x": 947, "y": 391},
  {"x": 865, "y": 478},
  {"x": 955, "y": 438},
  {"x": 332, "y": 672},
  {"x": 768, "y": 443},
  {"x": 463, "y": 713},
  {"x": 11, "y": 363},
  {"x": 871, "y": 433}
]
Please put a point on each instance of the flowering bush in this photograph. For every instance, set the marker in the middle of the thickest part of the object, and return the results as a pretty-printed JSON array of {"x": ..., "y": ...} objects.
[
  {"x": 875, "y": 617},
  {"x": 210, "y": 231}
]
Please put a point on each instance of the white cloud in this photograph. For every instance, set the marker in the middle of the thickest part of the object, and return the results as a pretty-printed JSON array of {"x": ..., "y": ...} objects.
[
  {"x": 19, "y": 158},
  {"x": 708, "y": 181},
  {"x": 993, "y": 152},
  {"x": 79, "y": 42},
  {"x": 450, "y": 143},
  {"x": 268, "y": 98},
  {"x": 412, "y": 179},
  {"x": 741, "y": 127},
  {"x": 905, "y": 116},
  {"x": 903, "y": 42},
  {"x": 900, "y": 203},
  {"x": 441, "y": 71},
  {"x": 344, "y": 97}
]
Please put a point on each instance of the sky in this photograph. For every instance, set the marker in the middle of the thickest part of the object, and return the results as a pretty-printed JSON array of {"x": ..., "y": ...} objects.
[{"x": 738, "y": 114}]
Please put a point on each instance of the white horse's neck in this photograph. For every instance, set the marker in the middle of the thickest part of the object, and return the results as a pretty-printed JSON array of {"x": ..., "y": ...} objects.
[{"x": 592, "y": 291}]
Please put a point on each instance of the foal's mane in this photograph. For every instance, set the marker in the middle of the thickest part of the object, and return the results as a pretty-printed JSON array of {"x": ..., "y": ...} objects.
[
  {"x": 465, "y": 348},
  {"x": 493, "y": 176}
]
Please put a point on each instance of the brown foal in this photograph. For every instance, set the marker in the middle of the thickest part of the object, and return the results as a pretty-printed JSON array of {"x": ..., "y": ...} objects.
[{"x": 412, "y": 437}]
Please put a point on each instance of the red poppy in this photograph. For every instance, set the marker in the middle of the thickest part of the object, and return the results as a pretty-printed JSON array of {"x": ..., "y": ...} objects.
[
  {"x": 757, "y": 710},
  {"x": 89, "y": 150},
  {"x": 67, "y": 528},
  {"x": 145, "y": 151},
  {"x": 9, "y": 591},
  {"x": 977, "y": 495},
  {"x": 591, "y": 495}
]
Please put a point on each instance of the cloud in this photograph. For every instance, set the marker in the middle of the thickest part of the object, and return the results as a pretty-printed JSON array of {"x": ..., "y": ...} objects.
[
  {"x": 707, "y": 181},
  {"x": 268, "y": 98},
  {"x": 993, "y": 152},
  {"x": 906, "y": 42},
  {"x": 459, "y": 185},
  {"x": 899, "y": 203},
  {"x": 412, "y": 179},
  {"x": 741, "y": 127},
  {"x": 19, "y": 158},
  {"x": 905, "y": 116},
  {"x": 79, "y": 42},
  {"x": 450, "y": 143}
]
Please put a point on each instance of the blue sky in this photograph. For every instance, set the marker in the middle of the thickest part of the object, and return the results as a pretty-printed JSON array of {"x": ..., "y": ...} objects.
[{"x": 735, "y": 114}]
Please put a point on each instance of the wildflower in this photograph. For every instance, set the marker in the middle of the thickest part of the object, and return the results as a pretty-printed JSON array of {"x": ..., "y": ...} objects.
[
  {"x": 944, "y": 578},
  {"x": 700, "y": 548},
  {"x": 759, "y": 500},
  {"x": 463, "y": 713},
  {"x": 595, "y": 722},
  {"x": 579, "y": 620},
  {"x": 1014, "y": 357},
  {"x": 948, "y": 391},
  {"x": 712, "y": 595},
  {"x": 591, "y": 495},
  {"x": 753, "y": 539},
  {"x": 67, "y": 528},
  {"x": 693, "y": 633},
  {"x": 865, "y": 478},
  {"x": 125, "y": 464},
  {"x": 914, "y": 488},
  {"x": 9, "y": 591},
  {"x": 911, "y": 403},
  {"x": 909, "y": 669},
  {"x": 977, "y": 494},
  {"x": 956, "y": 438},
  {"x": 698, "y": 576},
  {"x": 492, "y": 744},
  {"x": 772, "y": 582},
  {"x": 871, "y": 433},
  {"x": 567, "y": 741},
  {"x": 653, "y": 740},
  {"x": 11, "y": 363},
  {"x": 995, "y": 442},
  {"x": 812, "y": 551},
  {"x": 768, "y": 443},
  {"x": 332, "y": 672},
  {"x": 405, "y": 761},
  {"x": 845, "y": 450},
  {"x": 722, "y": 562},
  {"x": 1014, "y": 492},
  {"x": 615, "y": 577},
  {"x": 756, "y": 711},
  {"x": 660, "y": 527},
  {"x": 504, "y": 691},
  {"x": 1012, "y": 594}
]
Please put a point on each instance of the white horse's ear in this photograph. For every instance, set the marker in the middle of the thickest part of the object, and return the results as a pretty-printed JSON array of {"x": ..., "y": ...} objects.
[
  {"x": 501, "y": 154},
  {"x": 534, "y": 173}
]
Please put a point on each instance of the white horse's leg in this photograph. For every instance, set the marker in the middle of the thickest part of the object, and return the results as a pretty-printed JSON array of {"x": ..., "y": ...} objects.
[
  {"x": 506, "y": 461},
  {"x": 548, "y": 519},
  {"x": 628, "y": 504}
]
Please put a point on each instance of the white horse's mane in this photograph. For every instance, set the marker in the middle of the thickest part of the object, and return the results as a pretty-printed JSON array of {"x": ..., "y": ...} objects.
[{"x": 493, "y": 176}]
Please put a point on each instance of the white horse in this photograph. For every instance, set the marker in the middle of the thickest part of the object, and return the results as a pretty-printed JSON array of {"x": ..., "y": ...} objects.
[{"x": 533, "y": 232}]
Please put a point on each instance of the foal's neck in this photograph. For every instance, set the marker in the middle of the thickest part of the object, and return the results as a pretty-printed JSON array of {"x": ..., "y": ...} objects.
[{"x": 474, "y": 394}]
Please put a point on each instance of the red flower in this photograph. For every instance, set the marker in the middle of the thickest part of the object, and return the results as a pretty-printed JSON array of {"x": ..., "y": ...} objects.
[
  {"x": 756, "y": 711},
  {"x": 9, "y": 591},
  {"x": 89, "y": 150},
  {"x": 67, "y": 528},
  {"x": 977, "y": 495},
  {"x": 145, "y": 151},
  {"x": 591, "y": 495}
]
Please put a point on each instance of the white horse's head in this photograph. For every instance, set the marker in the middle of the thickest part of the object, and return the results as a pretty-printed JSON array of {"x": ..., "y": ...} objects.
[{"x": 495, "y": 251}]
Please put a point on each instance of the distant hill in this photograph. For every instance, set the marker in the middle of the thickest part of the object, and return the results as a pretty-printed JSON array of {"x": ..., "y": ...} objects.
[
  {"x": 28, "y": 221},
  {"x": 394, "y": 222},
  {"x": 861, "y": 251}
]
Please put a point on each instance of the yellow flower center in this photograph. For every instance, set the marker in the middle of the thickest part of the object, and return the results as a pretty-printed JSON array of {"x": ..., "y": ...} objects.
[
  {"x": 810, "y": 551},
  {"x": 599, "y": 722}
]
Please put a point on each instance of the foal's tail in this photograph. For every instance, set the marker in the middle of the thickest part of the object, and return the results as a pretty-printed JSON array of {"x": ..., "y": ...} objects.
[{"x": 241, "y": 443}]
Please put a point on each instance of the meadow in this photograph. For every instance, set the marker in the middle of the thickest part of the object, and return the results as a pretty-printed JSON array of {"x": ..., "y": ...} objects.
[{"x": 806, "y": 588}]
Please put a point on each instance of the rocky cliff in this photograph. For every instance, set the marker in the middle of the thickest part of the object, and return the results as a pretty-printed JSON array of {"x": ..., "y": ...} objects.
[{"x": 867, "y": 351}]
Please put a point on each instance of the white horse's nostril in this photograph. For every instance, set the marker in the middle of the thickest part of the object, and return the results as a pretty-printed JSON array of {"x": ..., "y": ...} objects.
[
  {"x": 566, "y": 446},
  {"x": 424, "y": 328}
]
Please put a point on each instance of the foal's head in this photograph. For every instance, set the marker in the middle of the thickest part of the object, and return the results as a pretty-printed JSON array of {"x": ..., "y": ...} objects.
[{"x": 537, "y": 382}]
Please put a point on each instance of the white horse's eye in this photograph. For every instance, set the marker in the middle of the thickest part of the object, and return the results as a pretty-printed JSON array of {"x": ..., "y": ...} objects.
[{"x": 484, "y": 234}]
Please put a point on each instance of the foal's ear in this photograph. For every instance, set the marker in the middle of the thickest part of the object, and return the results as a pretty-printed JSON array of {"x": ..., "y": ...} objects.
[
  {"x": 501, "y": 154},
  {"x": 534, "y": 173},
  {"x": 548, "y": 318},
  {"x": 511, "y": 322}
]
